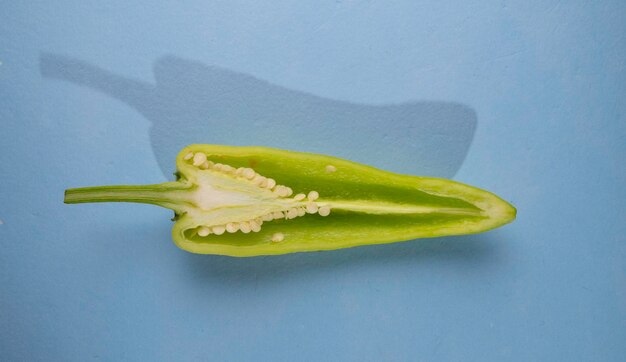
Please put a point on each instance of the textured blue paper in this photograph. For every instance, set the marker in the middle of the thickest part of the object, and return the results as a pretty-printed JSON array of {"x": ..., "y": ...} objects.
[{"x": 526, "y": 99}]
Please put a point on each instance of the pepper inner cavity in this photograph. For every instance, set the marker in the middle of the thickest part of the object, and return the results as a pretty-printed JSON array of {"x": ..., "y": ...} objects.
[{"x": 231, "y": 200}]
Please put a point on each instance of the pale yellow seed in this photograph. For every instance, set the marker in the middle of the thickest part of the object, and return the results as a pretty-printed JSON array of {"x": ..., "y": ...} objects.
[
  {"x": 292, "y": 213},
  {"x": 324, "y": 211},
  {"x": 228, "y": 168},
  {"x": 330, "y": 168},
  {"x": 289, "y": 191},
  {"x": 219, "y": 230},
  {"x": 278, "y": 237},
  {"x": 244, "y": 227},
  {"x": 240, "y": 171},
  {"x": 299, "y": 197},
  {"x": 203, "y": 231},
  {"x": 301, "y": 211},
  {"x": 255, "y": 226},
  {"x": 232, "y": 227},
  {"x": 271, "y": 183},
  {"x": 281, "y": 190},
  {"x": 313, "y": 195},
  {"x": 199, "y": 158},
  {"x": 218, "y": 166},
  {"x": 258, "y": 180},
  {"x": 268, "y": 217},
  {"x": 249, "y": 173},
  {"x": 188, "y": 156},
  {"x": 311, "y": 207},
  {"x": 278, "y": 215},
  {"x": 205, "y": 165},
  {"x": 263, "y": 183}
]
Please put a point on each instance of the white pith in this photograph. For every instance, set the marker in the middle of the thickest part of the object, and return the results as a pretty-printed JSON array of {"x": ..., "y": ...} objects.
[{"x": 233, "y": 200}]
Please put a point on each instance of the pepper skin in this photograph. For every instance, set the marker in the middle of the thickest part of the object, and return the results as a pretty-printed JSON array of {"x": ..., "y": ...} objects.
[{"x": 249, "y": 201}]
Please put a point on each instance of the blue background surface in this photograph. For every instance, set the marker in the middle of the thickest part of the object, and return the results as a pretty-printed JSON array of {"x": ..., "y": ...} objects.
[{"x": 526, "y": 99}]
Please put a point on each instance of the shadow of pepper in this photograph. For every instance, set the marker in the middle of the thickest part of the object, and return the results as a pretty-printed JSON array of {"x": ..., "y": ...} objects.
[{"x": 194, "y": 103}]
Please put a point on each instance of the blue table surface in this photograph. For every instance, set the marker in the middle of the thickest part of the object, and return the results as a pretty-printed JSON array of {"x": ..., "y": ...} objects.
[{"x": 526, "y": 99}]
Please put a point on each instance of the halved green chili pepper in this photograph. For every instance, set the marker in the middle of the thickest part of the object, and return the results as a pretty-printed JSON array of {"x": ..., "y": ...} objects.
[{"x": 247, "y": 201}]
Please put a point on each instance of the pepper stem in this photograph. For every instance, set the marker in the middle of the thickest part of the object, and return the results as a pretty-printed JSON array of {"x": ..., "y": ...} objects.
[{"x": 171, "y": 195}]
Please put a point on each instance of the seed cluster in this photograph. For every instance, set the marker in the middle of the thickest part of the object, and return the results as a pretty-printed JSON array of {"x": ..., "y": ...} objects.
[{"x": 302, "y": 205}]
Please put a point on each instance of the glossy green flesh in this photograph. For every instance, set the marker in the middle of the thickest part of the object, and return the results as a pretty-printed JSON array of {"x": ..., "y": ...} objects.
[{"x": 368, "y": 206}]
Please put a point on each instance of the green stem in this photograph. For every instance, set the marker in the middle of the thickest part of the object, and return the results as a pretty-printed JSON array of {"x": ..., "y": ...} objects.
[{"x": 171, "y": 195}]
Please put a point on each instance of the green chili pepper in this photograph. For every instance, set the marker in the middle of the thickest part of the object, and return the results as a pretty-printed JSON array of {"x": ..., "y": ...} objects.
[{"x": 247, "y": 201}]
